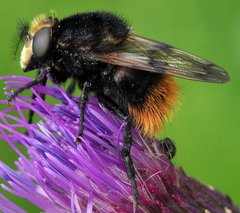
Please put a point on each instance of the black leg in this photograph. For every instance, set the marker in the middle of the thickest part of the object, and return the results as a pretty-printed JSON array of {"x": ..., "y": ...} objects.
[
  {"x": 70, "y": 89},
  {"x": 169, "y": 148},
  {"x": 127, "y": 142},
  {"x": 43, "y": 82},
  {"x": 82, "y": 104},
  {"x": 39, "y": 79}
]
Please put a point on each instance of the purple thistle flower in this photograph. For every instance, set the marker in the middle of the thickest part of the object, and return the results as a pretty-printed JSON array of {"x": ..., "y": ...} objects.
[{"x": 60, "y": 175}]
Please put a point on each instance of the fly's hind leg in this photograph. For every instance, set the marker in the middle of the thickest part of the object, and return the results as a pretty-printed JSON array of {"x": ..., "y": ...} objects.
[
  {"x": 127, "y": 142},
  {"x": 168, "y": 147}
]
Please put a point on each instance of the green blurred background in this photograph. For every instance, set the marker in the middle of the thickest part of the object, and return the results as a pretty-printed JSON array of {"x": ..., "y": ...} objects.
[{"x": 207, "y": 122}]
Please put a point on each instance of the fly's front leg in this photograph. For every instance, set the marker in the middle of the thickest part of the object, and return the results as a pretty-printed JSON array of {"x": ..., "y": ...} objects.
[
  {"x": 82, "y": 104},
  {"x": 127, "y": 142},
  {"x": 39, "y": 79}
]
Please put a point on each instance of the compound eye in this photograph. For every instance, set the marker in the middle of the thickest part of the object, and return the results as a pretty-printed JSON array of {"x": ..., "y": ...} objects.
[{"x": 42, "y": 42}]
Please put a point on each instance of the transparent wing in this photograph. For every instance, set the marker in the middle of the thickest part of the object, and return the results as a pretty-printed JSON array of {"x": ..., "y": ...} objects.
[{"x": 143, "y": 54}]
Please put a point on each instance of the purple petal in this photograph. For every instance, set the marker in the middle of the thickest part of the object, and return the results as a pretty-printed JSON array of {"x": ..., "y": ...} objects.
[{"x": 60, "y": 175}]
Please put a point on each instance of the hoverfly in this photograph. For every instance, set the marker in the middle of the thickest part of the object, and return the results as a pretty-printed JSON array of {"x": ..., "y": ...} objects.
[{"x": 132, "y": 76}]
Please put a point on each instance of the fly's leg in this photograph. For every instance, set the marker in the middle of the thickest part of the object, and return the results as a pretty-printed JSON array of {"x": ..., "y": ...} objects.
[
  {"x": 39, "y": 79},
  {"x": 127, "y": 142},
  {"x": 168, "y": 147},
  {"x": 82, "y": 104},
  {"x": 70, "y": 89}
]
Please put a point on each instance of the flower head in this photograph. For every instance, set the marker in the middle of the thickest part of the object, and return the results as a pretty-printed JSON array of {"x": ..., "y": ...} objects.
[{"x": 60, "y": 175}]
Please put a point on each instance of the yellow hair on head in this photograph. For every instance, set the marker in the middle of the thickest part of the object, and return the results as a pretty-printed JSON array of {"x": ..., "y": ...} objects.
[{"x": 40, "y": 22}]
